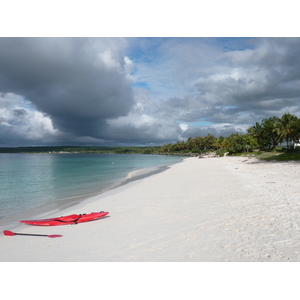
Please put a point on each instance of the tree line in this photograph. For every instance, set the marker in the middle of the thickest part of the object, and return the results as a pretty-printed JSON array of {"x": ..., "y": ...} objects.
[
  {"x": 80, "y": 149},
  {"x": 264, "y": 135}
]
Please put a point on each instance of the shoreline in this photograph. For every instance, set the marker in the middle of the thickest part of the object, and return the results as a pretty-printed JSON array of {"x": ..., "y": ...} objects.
[
  {"x": 11, "y": 221},
  {"x": 232, "y": 209}
]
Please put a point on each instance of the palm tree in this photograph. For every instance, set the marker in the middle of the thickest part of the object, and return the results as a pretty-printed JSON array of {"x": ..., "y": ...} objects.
[
  {"x": 219, "y": 142},
  {"x": 209, "y": 141},
  {"x": 258, "y": 133},
  {"x": 181, "y": 145},
  {"x": 190, "y": 143},
  {"x": 198, "y": 142},
  {"x": 271, "y": 136},
  {"x": 286, "y": 126}
]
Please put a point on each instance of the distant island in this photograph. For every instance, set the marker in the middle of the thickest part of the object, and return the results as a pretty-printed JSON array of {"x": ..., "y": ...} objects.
[{"x": 80, "y": 149}]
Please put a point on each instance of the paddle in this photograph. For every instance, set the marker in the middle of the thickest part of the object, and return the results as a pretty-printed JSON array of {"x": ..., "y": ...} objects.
[{"x": 10, "y": 233}]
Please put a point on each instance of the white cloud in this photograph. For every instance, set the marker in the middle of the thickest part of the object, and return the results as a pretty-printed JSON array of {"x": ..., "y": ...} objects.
[
  {"x": 183, "y": 126},
  {"x": 20, "y": 122}
]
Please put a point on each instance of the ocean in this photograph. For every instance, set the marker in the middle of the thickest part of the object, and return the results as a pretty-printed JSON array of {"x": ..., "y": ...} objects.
[{"x": 34, "y": 183}]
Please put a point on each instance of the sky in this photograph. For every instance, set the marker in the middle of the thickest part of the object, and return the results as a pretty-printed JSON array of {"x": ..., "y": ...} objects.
[{"x": 142, "y": 91}]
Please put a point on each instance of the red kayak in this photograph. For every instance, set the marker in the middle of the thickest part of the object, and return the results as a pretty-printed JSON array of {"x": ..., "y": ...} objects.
[{"x": 67, "y": 220}]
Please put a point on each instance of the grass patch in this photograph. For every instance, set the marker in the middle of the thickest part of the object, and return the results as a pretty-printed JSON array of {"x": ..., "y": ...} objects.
[{"x": 280, "y": 156}]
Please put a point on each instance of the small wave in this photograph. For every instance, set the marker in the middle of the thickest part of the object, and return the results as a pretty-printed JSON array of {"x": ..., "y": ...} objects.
[{"x": 139, "y": 172}]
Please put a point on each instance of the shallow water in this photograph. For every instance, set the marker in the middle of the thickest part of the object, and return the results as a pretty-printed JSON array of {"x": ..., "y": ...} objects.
[{"x": 30, "y": 181}]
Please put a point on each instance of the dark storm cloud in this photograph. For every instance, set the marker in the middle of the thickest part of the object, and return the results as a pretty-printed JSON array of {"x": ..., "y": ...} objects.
[
  {"x": 78, "y": 82},
  {"x": 155, "y": 131}
]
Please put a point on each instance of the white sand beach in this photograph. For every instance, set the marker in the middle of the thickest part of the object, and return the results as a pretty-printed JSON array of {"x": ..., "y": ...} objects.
[{"x": 230, "y": 209}]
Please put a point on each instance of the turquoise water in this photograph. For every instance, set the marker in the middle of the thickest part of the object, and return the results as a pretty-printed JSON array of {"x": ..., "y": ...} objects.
[{"x": 29, "y": 181}]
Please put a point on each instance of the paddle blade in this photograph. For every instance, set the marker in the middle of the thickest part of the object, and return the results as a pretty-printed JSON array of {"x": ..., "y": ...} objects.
[
  {"x": 8, "y": 233},
  {"x": 54, "y": 235}
]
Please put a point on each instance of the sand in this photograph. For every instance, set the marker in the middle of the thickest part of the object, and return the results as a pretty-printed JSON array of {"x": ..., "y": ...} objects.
[{"x": 229, "y": 209}]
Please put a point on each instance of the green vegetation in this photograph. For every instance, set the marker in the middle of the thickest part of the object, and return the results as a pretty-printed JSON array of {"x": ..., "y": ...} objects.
[
  {"x": 261, "y": 140},
  {"x": 280, "y": 155}
]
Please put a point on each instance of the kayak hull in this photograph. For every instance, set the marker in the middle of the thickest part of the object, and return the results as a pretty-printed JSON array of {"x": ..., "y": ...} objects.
[{"x": 66, "y": 220}]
